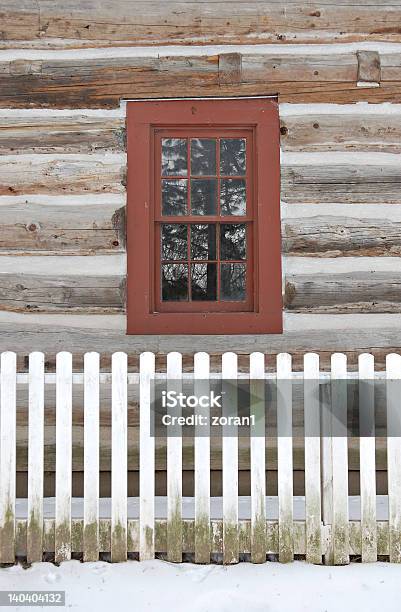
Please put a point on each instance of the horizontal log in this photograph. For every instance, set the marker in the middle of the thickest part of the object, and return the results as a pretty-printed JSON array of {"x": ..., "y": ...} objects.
[
  {"x": 160, "y": 454},
  {"x": 62, "y": 284},
  {"x": 20, "y": 21},
  {"x": 341, "y": 132},
  {"x": 60, "y": 134},
  {"x": 160, "y": 451},
  {"x": 341, "y": 177},
  {"x": 342, "y": 293},
  {"x": 156, "y": 22},
  {"x": 352, "y": 334},
  {"x": 300, "y": 68},
  {"x": 62, "y": 174},
  {"x": 62, "y": 224},
  {"x": 83, "y": 285},
  {"x": 95, "y": 79},
  {"x": 58, "y": 293},
  {"x": 328, "y": 233}
]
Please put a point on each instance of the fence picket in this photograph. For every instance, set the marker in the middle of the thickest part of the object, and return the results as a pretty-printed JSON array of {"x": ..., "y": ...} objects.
[
  {"x": 367, "y": 461},
  {"x": 91, "y": 456},
  {"x": 258, "y": 461},
  {"x": 326, "y": 447},
  {"x": 146, "y": 459},
  {"x": 174, "y": 465},
  {"x": 393, "y": 373},
  {"x": 202, "y": 463},
  {"x": 230, "y": 461},
  {"x": 63, "y": 456},
  {"x": 8, "y": 382},
  {"x": 284, "y": 458},
  {"x": 340, "y": 526},
  {"x": 35, "y": 457},
  {"x": 312, "y": 459},
  {"x": 119, "y": 476}
]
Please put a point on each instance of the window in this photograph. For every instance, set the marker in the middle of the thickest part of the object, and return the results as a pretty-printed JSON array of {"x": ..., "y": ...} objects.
[{"x": 203, "y": 227}]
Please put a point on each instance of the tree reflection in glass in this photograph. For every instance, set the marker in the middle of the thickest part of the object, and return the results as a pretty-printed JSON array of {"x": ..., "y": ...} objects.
[
  {"x": 233, "y": 156},
  {"x": 232, "y": 241},
  {"x": 203, "y": 241},
  {"x": 203, "y": 196},
  {"x": 233, "y": 196},
  {"x": 233, "y": 282},
  {"x": 174, "y": 282},
  {"x": 174, "y": 241},
  {"x": 203, "y": 282},
  {"x": 174, "y": 156},
  {"x": 203, "y": 156},
  {"x": 174, "y": 197}
]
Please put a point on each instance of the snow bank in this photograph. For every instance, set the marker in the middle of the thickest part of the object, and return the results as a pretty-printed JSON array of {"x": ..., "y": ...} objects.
[{"x": 161, "y": 586}]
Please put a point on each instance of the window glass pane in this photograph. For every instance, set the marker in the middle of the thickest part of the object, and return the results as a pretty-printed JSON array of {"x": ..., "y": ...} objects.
[
  {"x": 174, "y": 197},
  {"x": 203, "y": 196},
  {"x": 203, "y": 156},
  {"x": 232, "y": 241},
  {"x": 233, "y": 285},
  {"x": 203, "y": 241},
  {"x": 203, "y": 282},
  {"x": 174, "y": 282},
  {"x": 174, "y": 156},
  {"x": 232, "y": 156},
  {"x": 174, "y": 241},
  {"x": 233, "y": 196}
]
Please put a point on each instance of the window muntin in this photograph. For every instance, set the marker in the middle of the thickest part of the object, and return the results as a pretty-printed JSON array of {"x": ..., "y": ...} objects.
[{"x": 203, "y": 220}]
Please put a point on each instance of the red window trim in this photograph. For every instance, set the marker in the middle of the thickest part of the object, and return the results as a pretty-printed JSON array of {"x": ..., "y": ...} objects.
[{"x": 143, "y": 119}]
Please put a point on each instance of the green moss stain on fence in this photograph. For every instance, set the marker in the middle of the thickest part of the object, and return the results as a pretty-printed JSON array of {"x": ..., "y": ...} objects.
[
  {"x": 341, "y": 543},
  {"x": 119, "y": 543},
  {"x": 313, "y": 531},
  {"x": 91, "y": 542},
  {"x": 34, "y": 538},
  {"x": 174, "y": 534},
  {"x": 62, "y": 548},
  {"x": 286, "y": 540},
  {"x": 202, "y": 539},
  {"x": 258, "y": 542},
  {"x": 7, "y": 536},
  {"x": 230, "y": 543}
]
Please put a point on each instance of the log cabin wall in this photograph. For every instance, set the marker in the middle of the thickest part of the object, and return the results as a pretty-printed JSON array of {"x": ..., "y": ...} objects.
[{"x": 66, "y": 68}]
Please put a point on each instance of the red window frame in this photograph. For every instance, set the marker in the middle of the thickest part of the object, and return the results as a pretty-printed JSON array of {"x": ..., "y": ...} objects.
[{"x": 147, "y": 121}]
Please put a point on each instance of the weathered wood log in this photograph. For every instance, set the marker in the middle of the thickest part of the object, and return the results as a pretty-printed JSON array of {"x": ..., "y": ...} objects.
[
  {"x": 301, "y": 68},
  {"x": 341, "y": 177},
  {"x": 334, "y": 235},
  {"x": 62, "y": 284},
  {"x": 89, "y": 294},
  {"x": 160, "y": 451},
  {"x": 355, "y": 131},
  {"x": 103, "y": 81},
  {"x": 306, "y": 177},
  {"x": 19, "y": 21},
  {"x": 343, "y": 293},
  {"x": 323, "y": 334},
  {"x": 62, "y": 224},
  {"x": 60, "y": 134},
  {"x": 97, "y": 173},
  {"x": 141, "y": 22},
  {"x": 85, "y": 79}
]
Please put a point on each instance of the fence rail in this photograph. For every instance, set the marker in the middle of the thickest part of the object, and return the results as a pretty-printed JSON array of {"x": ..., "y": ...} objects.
[{"x": 325, "y": 524}]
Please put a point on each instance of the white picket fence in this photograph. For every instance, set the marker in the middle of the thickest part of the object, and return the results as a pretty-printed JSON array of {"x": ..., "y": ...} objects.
[{"x": 317, "y": 525}]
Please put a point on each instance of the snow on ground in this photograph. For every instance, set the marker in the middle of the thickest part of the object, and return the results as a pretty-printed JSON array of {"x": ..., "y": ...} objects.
[{"x": 165, "y": 587}]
